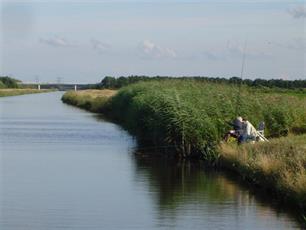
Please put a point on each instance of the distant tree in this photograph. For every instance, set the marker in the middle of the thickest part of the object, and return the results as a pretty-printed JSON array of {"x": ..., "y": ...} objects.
[
  {"x": 2, "y": 85},
  {"x": 9, "y": 82},
  {"x": 108, "y": 82},
  {"x": 112, "y": 82},
  {"x": 247, "y": 82},
  {"x": 235, "y": 80},
  {"x": 122, "y": 81}
]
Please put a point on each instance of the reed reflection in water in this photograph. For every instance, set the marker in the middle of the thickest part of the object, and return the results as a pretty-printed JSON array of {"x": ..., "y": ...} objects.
[{"x": 186, "y": 195}]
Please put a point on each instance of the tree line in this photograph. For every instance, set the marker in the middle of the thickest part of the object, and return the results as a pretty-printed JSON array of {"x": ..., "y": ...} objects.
[
  {"x": 8, "y": 82},
  {"x": 110, "y": 82}
]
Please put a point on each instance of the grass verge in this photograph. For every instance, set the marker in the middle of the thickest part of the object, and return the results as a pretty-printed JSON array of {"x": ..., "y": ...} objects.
[
  {"x": 278, "y": 167},
  {"x": 15, "y": 92},
  {"x": 91, "y": 100}
]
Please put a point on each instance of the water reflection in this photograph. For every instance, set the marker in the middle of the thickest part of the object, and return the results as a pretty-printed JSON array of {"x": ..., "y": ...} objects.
[{"x": 183, "y": 190}]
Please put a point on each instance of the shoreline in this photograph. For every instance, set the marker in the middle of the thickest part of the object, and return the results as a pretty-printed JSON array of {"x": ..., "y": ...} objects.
[
  {"x": 274, "y": 168},
  {"x": 16, "y": 91},
  {"x": 254, "y": 175}
]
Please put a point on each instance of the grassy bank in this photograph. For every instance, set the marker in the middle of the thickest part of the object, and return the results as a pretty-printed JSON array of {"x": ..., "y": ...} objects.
[
  {"x": 15, "y": 92},
  {"x": 91, "y": 100},
  {"x": 191, "y": 117},
  {"x": 278, "y": 167}
]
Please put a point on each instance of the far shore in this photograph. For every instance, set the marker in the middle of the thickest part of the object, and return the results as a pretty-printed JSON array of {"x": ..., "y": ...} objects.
[{"x": 14, "y": 92}]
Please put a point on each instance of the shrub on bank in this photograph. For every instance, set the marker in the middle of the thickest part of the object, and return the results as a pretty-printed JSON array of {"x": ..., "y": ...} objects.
[
  {"x": 2, "y": 85},
  {"x": 8, "y": 82}
]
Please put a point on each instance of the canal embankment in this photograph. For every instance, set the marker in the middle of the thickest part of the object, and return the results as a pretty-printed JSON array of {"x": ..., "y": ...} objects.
[
  {"x": 276, "y": 167},
  {"x": 91, "y": 100},
  {"x": 13, "y": 87},
  {"x": 19, "y": 91},
  {"x": 190, "y": 118}
]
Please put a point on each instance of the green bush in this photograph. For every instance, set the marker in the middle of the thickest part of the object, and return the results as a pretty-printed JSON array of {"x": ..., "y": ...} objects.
[
  {"x": 278, "y": 122},
  {"x": 8, "y": 82},
  {"x": 2, "y": 85}
]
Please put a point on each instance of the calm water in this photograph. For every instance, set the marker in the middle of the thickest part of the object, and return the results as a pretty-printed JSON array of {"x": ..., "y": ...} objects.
[{"x": 64, "y": 168}]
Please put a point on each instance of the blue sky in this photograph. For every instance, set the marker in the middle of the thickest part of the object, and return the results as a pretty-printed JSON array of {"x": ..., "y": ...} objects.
[{"x": 82, "y": 41}]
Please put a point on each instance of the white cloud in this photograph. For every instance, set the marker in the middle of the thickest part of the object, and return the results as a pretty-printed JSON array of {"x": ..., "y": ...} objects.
[
  {"x": 298, "y": 12},
  {"x": 152, "y": 50},
  {"x": 99, "y": 46},
  {"x": 56, "y": 42}
]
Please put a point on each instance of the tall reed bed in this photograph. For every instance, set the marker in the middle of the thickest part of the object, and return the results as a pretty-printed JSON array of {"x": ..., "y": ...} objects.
[{"x": 192, "y": 116}]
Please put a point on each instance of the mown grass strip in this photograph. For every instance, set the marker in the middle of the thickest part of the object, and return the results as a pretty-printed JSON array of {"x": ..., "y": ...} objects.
[{"x": 15, "y": 92}]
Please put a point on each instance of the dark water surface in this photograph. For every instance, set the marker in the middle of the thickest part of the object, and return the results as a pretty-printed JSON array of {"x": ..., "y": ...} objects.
[{"x": 63, "y": 168}]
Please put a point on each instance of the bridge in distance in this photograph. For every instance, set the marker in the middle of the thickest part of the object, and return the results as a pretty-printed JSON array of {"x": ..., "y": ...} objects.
[{"x": 58, "y": 86}]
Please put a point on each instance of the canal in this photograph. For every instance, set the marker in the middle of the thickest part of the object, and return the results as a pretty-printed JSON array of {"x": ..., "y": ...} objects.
[{"x": 64, "y": 168}]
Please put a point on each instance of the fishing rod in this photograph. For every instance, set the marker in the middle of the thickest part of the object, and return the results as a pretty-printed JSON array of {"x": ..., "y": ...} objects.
[{"x": 241, "y": 76}]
